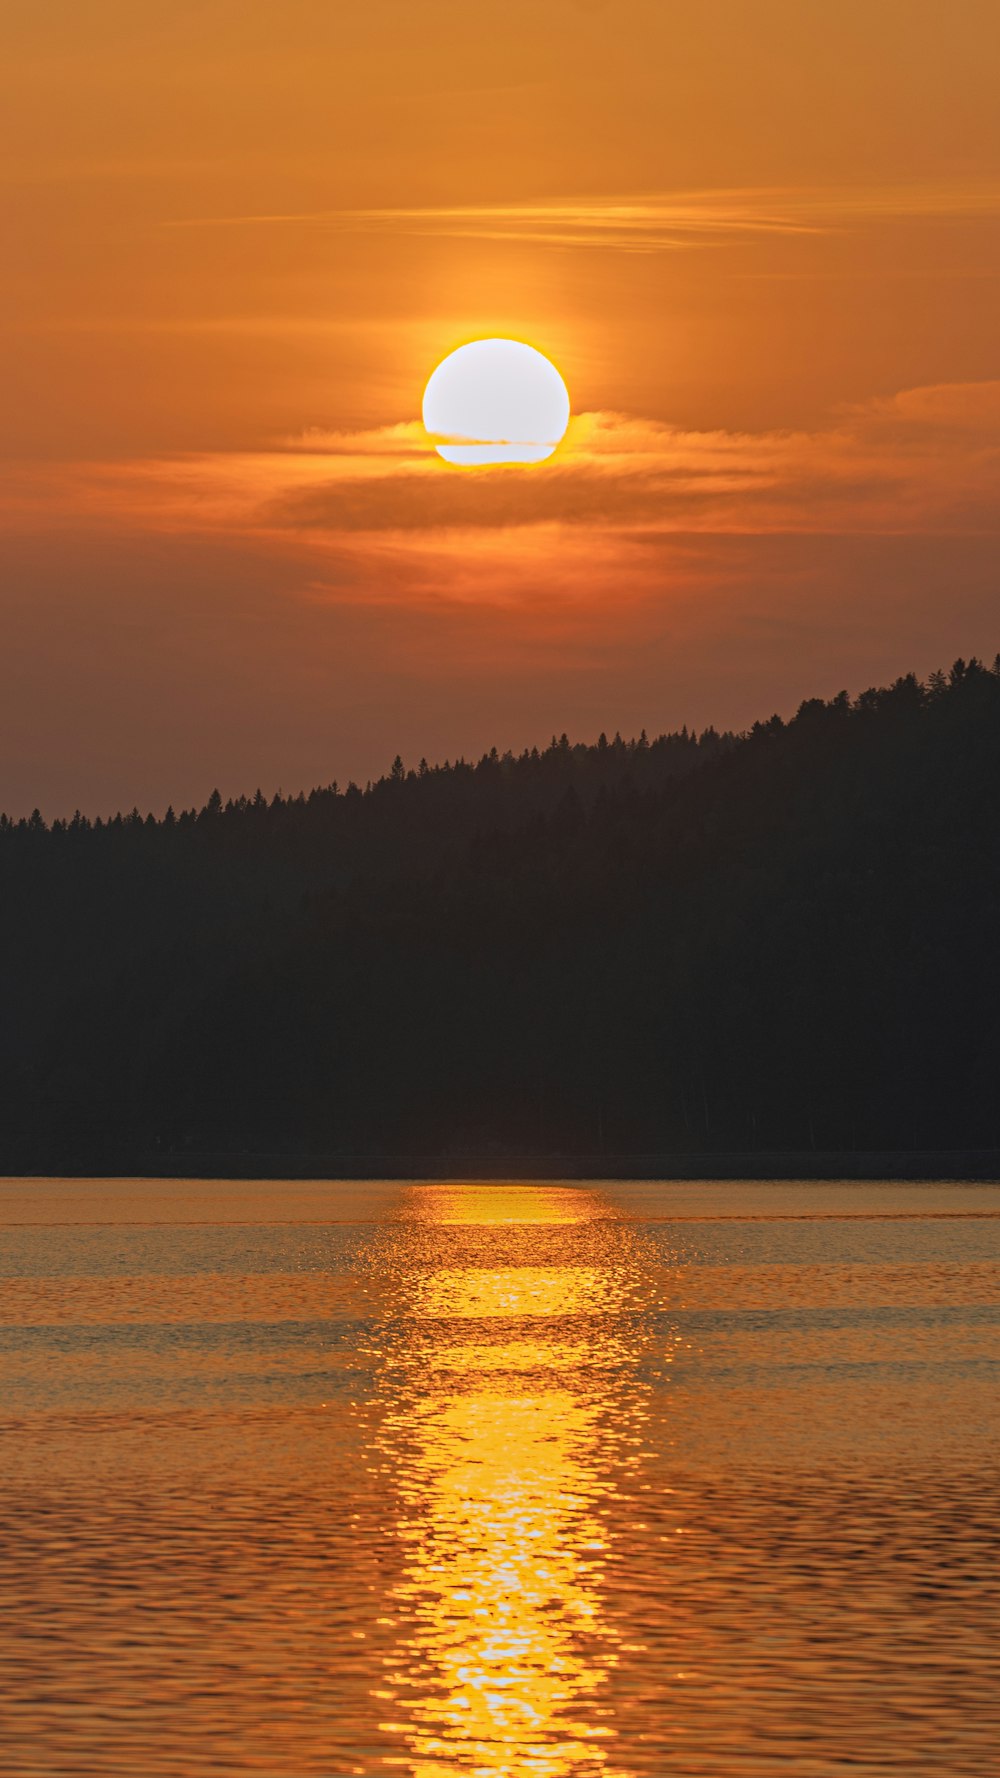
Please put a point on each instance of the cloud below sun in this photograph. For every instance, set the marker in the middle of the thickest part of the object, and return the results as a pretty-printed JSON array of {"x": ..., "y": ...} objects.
[{"x": 924, "y": 461}]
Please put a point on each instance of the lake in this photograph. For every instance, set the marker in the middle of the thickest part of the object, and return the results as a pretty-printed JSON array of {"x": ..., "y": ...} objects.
[{"x": 302, "y": 1479}]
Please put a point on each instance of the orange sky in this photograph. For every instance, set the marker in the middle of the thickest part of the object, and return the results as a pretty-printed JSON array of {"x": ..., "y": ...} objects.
[{"x": 761, "y": 239}]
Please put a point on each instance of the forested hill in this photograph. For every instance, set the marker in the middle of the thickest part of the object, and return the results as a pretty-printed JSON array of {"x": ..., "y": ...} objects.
[{"x": 786, "y": 939}]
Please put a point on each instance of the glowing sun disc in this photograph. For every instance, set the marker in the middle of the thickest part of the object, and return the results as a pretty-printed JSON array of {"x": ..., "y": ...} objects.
[{"x": 496, "y": 401}]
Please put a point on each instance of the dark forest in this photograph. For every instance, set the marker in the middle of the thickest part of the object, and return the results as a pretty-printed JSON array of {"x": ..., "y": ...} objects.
[{"x": 787, "y": 939}]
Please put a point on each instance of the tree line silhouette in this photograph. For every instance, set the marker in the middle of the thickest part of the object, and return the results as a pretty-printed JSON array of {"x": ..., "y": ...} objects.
[{"x": 784, "y": 939}]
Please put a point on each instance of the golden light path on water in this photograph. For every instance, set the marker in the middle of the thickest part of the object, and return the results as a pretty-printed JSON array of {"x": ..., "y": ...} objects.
[
  {"x": 630, "y": 1481},
  {"x": 509, "y": 1427}
]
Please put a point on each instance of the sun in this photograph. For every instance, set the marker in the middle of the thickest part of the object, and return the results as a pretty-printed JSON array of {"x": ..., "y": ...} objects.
[{"x": 495, "y": 401}]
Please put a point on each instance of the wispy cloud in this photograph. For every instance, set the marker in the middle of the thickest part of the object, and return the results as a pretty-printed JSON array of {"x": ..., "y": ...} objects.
[{"x": 650, "y": 224}]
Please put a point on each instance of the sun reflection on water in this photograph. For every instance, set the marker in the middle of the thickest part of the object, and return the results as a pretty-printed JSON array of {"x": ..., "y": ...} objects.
[
  {"x": 506, "y": 1430},
  {"x": 503, "y": 1205}
]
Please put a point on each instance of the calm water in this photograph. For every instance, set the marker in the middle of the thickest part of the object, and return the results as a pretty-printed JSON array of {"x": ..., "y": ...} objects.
[{"x": 565, "y": 1481}]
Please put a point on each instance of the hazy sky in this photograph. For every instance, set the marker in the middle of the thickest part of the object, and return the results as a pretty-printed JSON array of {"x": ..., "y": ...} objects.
[{"x": 760, "y": 238}]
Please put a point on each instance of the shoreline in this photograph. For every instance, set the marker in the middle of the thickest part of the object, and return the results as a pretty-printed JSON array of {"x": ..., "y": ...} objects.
[{"x": 806, "y": 1165}]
